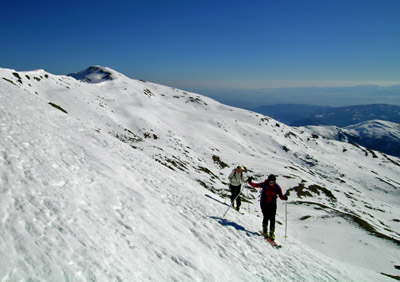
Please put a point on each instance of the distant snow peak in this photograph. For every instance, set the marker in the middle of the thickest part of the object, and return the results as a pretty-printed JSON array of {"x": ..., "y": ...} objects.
[
  {"x": 94, "y": 74},
  {"x": 378, "y": 135}
]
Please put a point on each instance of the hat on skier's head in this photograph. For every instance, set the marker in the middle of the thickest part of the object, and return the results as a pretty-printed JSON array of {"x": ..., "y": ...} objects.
[
  {"x": 271, "y": 177},
  {"x": 239, "y": 167}
]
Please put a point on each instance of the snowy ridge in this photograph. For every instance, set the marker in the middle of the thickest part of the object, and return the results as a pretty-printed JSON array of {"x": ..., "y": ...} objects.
[
  {"x": 378, "y": 135},
  {"x": 113, "y": 188},
  {"x": 379, "y": 128}
]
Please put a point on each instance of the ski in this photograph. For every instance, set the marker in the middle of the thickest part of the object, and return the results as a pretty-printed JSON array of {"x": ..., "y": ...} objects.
[
  {"x": 239, "y": 211},
  {"x": 272, "y": 242}
]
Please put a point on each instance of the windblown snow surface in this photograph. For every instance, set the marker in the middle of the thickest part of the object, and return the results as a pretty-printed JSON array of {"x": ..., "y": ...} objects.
[{"x": 126, "y": 180}]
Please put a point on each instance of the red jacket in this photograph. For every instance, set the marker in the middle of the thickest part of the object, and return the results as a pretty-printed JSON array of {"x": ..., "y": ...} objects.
[{"x": 269, "y": 193}]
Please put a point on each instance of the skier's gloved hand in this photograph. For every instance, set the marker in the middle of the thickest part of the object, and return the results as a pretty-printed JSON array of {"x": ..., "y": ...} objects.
[
  {"x": 249, "y": 179},
  {"x": 285, "y": 197}
]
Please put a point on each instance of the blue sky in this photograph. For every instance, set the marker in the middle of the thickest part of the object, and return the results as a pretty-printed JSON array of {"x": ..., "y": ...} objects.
[{"x": 209, "y": 44}]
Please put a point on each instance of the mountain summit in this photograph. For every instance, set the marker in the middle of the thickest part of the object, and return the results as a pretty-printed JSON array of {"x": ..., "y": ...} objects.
[
  {"x": 127, "y": 181},
  {"x": 94, "y": 74}
]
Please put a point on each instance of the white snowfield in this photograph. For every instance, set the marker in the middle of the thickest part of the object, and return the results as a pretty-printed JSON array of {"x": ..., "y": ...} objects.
[{"x": 123, "y": 180}]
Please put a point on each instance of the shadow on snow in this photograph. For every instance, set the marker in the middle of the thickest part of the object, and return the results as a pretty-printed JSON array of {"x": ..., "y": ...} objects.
[
  {"x": 225, "y": 222},
  {"x": 208, "y": 196}
]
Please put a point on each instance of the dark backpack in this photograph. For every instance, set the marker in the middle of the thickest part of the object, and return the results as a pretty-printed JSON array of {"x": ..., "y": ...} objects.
[{"x": 262, "y": 193}]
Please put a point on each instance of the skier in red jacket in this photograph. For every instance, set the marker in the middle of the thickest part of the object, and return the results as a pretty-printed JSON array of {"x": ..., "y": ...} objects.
[{"x": 270, "y": 191}]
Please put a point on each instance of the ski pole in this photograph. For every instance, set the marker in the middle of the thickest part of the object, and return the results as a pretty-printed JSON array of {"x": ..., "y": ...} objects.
[
  {"x": 226, "y": 212},
  {"x": 233, "y": 201},
  {"x": 248, "y": 201},
  {"x": 285, "y": 219}
]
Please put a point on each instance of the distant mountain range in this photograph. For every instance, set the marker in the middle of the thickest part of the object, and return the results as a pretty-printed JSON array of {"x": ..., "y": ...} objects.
[
  {"x": 373, "y": 126},
  {"x": 303, "y": 115},
  {"x": 377, "y": 135}
]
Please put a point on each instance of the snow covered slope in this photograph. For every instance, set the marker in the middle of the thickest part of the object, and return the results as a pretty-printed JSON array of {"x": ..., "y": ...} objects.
[
  {"x": 378, "y": 135},
  {"x": 124, "y": 180}
]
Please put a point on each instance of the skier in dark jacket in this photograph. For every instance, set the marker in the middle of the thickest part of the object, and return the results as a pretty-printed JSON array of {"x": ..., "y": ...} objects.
[{"x": 270, "y": 191}]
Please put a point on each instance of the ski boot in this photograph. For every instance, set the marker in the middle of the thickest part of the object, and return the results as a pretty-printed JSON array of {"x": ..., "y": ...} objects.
[
  {"x": 272, "y": 235},
  {"x": 265, "y": 232}
]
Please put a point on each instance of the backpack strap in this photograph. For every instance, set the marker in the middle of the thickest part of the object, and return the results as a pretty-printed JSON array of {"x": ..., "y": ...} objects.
[
  {"x": 241, "y": 173},
  {"x": 266, "y": 187}
]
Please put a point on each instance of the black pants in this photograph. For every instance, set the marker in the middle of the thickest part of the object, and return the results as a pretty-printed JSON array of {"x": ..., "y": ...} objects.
[
  {"x": 235, "y": 191},
  {"x": 269, "y": 213}
]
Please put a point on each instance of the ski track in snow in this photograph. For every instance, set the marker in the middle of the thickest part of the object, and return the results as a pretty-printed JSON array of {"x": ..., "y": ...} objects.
[{"x": 78, "y": 205}]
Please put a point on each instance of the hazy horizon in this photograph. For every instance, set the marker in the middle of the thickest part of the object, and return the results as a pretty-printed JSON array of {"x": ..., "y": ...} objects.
[
  {"x": 209, "y": 44},
  {"x": 334, "y": 96},
  {"x": 317, "y": 96}
]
